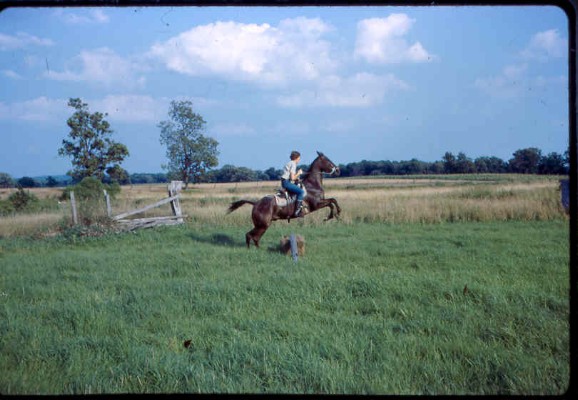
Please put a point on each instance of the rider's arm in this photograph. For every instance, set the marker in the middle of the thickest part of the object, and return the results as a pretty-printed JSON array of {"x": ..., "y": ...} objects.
[{"x": 295, "y": 175}]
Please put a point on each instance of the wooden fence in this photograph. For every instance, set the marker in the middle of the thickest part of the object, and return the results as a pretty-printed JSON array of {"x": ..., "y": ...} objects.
[{"x": 129, "y": 224}]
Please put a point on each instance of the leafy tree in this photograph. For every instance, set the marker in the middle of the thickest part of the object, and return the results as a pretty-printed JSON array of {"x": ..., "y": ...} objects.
[
  {"x": 490, "y": 165},
  {"x": 6, "y": 180},
  {"x": 464, "y": 165},
  {"x": 51, "y": 182},
  {"x": 525, "y": 161},
  {"x": 553, "y": 163},
  {"x": 141, "y": 178},
  {"x": 190, "y": 153},
  {"x": 449, "y": 161},
  {"x": 27, "y": 182},
  {"x": 230, "y": 173},
  {"x": 118, "y": 175},
  {"x": 411, "y": 167},
  {"x": 90, "y": 146},
  {"x": 436, "y": 167},
  {"x": 148, "y": 178},
  {"x": 273, "y": 174}
]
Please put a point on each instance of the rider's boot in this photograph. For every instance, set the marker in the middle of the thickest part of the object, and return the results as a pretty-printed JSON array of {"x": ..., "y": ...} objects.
[{"x": 298, "y": 208}]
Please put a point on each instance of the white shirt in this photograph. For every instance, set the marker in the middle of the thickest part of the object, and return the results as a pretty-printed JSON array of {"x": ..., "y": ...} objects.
[{"x": 290, "y": 167}]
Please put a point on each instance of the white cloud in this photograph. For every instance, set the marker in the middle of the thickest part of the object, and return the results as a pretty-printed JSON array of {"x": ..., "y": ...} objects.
[
  {"x": 509, "y": 83},
  {"x": 39, "y": 109},
  {"x": 381, "y": 41},
  {"x": 120, "y": 108},
  {"x": 338, "y": 126},
  {"x": 514, "y": 80},
  {"x": 22, "y": 40},
  {"x": 546, "y": 45},
  {"x": 360, "y": 90},
  {"x": 8, "y": 73},
  {"x": 92, "y": 16},
  {"x": 131, "y": 108},
  {"x": 233, "y": 129},
  {"x": 264, "y": 54},
  {"x": 138, "y": 108},
  {"x": 101, "y": 66}
]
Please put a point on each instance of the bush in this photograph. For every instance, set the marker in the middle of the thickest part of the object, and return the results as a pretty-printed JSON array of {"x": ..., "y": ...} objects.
[
  {"x": 6, "y": 207},
  {"x": 6, "y": 180},
  {"x": 89, "y": 189},
  {"x": 90, "y": 198},
  {"x": 22, "y": 199}
]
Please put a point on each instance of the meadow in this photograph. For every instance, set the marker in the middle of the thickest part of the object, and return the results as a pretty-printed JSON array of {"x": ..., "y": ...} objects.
[{"x": 427, "y": 285}]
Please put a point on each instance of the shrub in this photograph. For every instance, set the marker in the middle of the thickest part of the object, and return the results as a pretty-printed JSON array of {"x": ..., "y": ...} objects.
[
  {"x": 22, "y": 199},
  {"x": 90, "y": 198},
  {"x": 6, "y": 207},
  {"x": 6, "y": 180}
]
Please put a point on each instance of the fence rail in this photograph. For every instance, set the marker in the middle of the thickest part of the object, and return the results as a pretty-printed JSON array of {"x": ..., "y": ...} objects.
[{"x": 174, "y": 189}]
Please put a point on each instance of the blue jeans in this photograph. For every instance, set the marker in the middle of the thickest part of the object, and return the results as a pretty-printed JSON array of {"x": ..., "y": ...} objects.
[{"x": 293, "y": 188}]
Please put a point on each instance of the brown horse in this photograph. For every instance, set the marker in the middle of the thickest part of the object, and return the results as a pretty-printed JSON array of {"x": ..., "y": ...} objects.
[{"x": 266, "y": 210}]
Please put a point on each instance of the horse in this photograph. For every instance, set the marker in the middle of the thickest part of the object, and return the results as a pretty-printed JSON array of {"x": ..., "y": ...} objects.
[{"x": 266, "y": 210}]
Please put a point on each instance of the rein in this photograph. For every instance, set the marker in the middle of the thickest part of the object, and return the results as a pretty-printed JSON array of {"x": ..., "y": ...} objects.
[
  {"x": 333, "y": 170},
  {"x": 320, "y": 172}
]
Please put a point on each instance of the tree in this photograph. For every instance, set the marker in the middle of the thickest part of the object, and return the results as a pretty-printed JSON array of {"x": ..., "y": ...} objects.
[
  {"x": 51, "y": 182},
  {"x": 273, "y": 174},
  {"x": 553, "y": 163},
  {"x": 190, "y": 153},
  {"x": 118, "y": 174},
  {"x": 27, "y": 182},
  {"x": 490, "y": 165},
  {"x": 6, "y": 180},
  {"x": 449, "y": 161},
  {"x": 525, "y": 161},
  {"x": 92, "y": 150},
  {"x": 230, "y": 173},
  {"x": 464, "y": 165}
]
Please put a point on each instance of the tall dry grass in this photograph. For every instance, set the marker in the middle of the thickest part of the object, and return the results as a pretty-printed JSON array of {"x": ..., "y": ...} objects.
[
  {"x": 30, "y": 224},
  {"x": 425, "y": 200},
  {"x": 423, "y": 204}
]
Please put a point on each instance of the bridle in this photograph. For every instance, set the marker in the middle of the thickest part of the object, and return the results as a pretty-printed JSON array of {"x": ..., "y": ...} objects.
[{"x": 334, "y": 169}]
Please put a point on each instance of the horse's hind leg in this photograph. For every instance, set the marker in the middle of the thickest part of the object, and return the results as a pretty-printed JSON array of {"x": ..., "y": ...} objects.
[{"x": 254, "y": 235}]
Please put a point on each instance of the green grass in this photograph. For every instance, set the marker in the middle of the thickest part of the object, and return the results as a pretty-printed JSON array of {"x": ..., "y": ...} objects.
[{"x": 370, "y": 308}]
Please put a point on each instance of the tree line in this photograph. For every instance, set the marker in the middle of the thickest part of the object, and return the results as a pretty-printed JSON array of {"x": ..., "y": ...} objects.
[
  {"x": 523, "y": 161},
  {"x": 193, "y": 156}
]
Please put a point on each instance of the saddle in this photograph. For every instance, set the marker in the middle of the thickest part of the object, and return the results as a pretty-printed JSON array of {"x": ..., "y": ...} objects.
[{"x": 284, "y": 198}]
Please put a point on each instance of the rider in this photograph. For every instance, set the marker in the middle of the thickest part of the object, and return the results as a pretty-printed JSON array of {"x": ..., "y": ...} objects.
[{"x": 288, "y": 179}]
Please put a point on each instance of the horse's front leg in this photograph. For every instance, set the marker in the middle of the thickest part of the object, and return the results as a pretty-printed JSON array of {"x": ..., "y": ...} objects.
[
  {"x": 332, "y": 213},
  {"x": 336, "y": 207},
  {"x": 333, "y": 206}
]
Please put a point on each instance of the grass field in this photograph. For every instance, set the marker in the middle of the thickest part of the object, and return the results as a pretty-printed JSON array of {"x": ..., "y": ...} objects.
[{"x": 427, "y": 286}]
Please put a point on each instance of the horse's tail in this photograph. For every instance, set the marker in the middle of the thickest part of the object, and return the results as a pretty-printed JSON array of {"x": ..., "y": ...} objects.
[{"x": 238, "y": 204}]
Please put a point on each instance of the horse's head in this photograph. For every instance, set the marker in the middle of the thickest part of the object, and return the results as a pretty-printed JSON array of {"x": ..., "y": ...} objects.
[{"x": 326, "y": 165}]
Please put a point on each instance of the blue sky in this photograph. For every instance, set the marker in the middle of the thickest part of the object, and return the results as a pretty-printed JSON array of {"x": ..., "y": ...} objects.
[{"x": 373, "y": 83}]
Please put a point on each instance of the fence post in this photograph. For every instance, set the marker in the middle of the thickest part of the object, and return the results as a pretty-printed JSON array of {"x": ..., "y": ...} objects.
[
  {"x": 108, "y": 207},
  {"x": 565, "y": 194},
  {"x": 174, "y": 189},
  {"x": 73, "y": 206},
  {"x": 294, "y": 252}
]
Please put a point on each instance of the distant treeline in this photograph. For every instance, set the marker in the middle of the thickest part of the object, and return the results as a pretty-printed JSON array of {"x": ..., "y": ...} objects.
[{"x": 524, "y": 161}]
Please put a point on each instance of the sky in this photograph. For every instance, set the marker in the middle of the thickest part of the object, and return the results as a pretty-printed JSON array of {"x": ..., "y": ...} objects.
[{"x": 356, "y": 83}]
